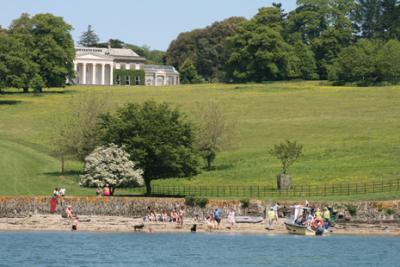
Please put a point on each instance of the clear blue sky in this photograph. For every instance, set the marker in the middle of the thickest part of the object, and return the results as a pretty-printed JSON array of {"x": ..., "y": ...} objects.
[{"x": 152, "y": 22}]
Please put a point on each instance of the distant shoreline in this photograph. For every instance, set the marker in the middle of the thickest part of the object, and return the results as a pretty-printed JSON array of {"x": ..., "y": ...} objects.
[{"x": 120, "y": 224}]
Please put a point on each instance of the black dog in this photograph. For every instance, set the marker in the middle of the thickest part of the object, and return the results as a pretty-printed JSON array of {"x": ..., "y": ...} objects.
[
  {"x": 194, "y": 228},
  {"x": 138, "y": 226}
]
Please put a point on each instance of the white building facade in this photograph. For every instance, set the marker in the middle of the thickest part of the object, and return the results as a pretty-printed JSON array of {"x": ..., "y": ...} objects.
[
  {"x": 156, "y": 75},
  {"x": 100, "y": 66}
]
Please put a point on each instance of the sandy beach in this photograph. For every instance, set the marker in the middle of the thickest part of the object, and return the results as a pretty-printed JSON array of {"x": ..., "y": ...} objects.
[{"x": 126, "y": 224}]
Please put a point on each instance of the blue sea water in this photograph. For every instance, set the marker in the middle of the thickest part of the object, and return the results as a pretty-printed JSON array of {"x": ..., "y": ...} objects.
[{"x": 150, "y": 249}]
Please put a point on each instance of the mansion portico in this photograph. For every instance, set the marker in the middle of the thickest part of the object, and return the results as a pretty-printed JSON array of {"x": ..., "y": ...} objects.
[{"x": 119, "y": 66}]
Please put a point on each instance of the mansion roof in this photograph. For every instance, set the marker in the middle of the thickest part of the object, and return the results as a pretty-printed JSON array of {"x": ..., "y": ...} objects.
[
  {"x": 162, "y": 68},
  {"x": 114, "y": 53}
]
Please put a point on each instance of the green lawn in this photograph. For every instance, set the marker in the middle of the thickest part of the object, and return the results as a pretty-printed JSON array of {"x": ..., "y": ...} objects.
[{"x": 348, "y": 133}]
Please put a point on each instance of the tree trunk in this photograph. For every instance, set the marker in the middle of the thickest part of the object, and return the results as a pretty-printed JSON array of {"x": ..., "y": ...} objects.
[
  {"x": 26, "y": 90},
  {"x": 38, "y": 90},
  {"x": 284, "y": 181},
  {"x": 209, "y": 162},
  {"x": 147, "y": 181},
  {"x": 210, "y": 159},
  {"x": 62, "y": 163},
  {"x": 112, "y": 189}
]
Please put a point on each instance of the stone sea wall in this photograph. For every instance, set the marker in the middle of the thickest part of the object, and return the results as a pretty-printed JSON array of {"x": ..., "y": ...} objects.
[{"x": 376, "y": 211}]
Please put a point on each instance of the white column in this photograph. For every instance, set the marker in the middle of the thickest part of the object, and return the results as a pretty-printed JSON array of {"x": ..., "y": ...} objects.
[
  {"x": 165, "y": 79},
  {"x": 102, "y": 73},
  {"x": 93, "y": 73},
  {"x": 84, "y": 74},
  {"x": 76, "y": 73},
  {"x": 111, "y": 74},
  {"x": 155, "y": 79}
]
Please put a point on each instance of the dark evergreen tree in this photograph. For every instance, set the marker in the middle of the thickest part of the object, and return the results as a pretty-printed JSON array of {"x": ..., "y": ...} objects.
[{"x": 89, "y": 38}]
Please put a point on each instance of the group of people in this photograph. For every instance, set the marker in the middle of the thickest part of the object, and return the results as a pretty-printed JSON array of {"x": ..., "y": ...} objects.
[
  {"x": 105, "y": 191},
  {"x": 213, "y": 220},
  {"x": 175, "y": 216},
  {"x": 57, "y": 199},
  {"x": 315, "y": 218},
  {"x": 57, "y": 205},
  {"x": 72, "y": 217}
]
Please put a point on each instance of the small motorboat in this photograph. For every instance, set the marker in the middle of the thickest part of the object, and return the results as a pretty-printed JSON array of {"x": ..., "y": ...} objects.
[
  {"x": 248, "y": 219},
  {"x": 296, "y": 229},
  {"x": 296, "y": 226}
]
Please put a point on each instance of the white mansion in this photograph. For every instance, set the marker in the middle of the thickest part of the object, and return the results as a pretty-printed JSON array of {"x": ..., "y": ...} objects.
[{"x": 119, "y": 66}]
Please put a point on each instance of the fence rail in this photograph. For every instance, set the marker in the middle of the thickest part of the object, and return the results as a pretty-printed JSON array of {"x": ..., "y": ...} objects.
[{"x": 344, "y": 189}]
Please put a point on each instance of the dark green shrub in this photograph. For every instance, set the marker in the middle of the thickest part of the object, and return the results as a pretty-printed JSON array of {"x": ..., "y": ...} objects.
[
  {"x": 202, "y": 202},
  {"x": 244, "y": 203},
  {"x": 389, "y": 212},
  {"x": 352, "y": 210},
  {"x": 190, "y": 201}
]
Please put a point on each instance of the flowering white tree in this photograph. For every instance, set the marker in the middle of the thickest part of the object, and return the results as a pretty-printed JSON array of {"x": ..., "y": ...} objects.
[{"x": 110, "y": 166}]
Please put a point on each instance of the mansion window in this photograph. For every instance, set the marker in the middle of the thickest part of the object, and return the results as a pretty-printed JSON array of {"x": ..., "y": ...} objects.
[
  {"x": 137, "y": 80},
  {"x": 128, "y": 80}
]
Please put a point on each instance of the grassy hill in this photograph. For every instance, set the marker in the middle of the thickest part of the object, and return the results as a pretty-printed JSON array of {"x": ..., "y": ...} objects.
[{"x": 348, "y": 133}]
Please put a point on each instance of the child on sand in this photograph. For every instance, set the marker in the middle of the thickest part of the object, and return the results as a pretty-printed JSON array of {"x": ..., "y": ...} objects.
[
  {"x": 69, "y": 212},
  {"x": 75, "y": 224}
]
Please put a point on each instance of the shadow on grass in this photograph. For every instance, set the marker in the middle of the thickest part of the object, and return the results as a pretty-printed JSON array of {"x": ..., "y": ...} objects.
[
  {"x": 9, "y": 102},
  {"x": 219, "y": 167},
  {"x": 148, "y": 196},
  {"x": 66, "y": 173},
  {"x": 35, "y": 94}
]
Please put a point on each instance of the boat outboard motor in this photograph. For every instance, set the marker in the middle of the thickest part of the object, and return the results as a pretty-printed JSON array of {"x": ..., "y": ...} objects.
[{"x": 320, "y": 231}]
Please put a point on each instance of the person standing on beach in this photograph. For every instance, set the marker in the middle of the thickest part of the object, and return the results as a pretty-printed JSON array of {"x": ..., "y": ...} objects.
[
  {"x": 181, "y": 215},
  {"x": 231, "y": 218},
  {"x": 271, "y": 218},
  {"x": 276, "y": 208},
  {"x": 106, "y": 191},
  {"x": 217, "y": 216}
]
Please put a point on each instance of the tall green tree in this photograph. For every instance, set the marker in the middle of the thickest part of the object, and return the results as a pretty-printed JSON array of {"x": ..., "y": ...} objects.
[
  {"x": 188, "y": 72},
  {"x": 205, "y": 48},
  {"x": 356, "y": 64},
  {"x": 367, "y": 16},
  {"x": 259, "y": 52},
  {"x": 388, "y": 62},
  {"x": 325, "y": 26},
  {"x": 16, "y": 67},
  {"x": 89, "y": 38},
  {"x": 50, "y": 44},
  {"x": 157, "y": 137}
]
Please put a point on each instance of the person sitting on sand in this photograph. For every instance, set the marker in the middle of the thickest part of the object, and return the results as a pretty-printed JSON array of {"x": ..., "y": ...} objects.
[
  {"x": 174, "y": 215},
  {"x": 164, "y": 216},
  {"x": 152, "y": 217},
  {"x": 69, "y": 212}
]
